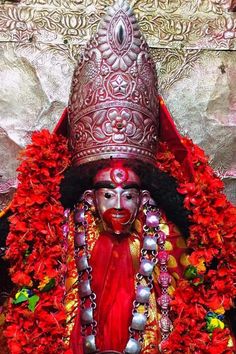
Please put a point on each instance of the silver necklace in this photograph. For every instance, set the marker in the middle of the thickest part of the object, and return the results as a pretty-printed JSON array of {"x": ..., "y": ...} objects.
[{"x": 149, "y": 256}]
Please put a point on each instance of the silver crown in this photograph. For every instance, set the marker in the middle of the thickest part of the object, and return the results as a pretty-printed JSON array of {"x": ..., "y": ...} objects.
[{"x": 113, "y": 107}]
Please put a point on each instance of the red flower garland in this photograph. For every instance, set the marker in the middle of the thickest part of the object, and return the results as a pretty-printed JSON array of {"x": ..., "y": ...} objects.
[
  {"x": 36, "y": 249},
  {"x": 212, "y": 240},
  {"x": 37, "y": 253}
]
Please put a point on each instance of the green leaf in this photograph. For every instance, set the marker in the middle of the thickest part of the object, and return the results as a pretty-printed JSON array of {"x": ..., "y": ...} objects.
[
  {"x": 191, "y": 272},
  {"x": 49, "y": 285},
  {"x": 20, "y": 298},
  {"x": 33, "y": 300}
]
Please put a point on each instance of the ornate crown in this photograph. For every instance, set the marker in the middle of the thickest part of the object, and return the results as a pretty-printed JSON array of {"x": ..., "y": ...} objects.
[{"x": 113, "y": 107}]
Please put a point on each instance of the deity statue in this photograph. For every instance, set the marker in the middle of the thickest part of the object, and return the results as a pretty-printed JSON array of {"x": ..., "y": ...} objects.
[{"x": 121, "y": 239}]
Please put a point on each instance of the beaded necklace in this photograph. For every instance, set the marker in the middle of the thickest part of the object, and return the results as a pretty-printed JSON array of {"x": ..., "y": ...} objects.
[{"x": 152, "y": 252}]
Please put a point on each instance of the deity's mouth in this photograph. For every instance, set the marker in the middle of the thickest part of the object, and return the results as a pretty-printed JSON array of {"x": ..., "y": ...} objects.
[
  {"x": 119, "y": 215},
  {"x": 117, "y": 219},
  {"x": 123, "y": 216}
]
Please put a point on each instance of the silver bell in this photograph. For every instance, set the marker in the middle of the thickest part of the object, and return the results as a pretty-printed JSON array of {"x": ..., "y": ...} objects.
[
  {"x": 146, "y": 267},
  {"x": 133, "y": 347},
  {"x": 84, "y": 288},
  {"x": 80, "y": 240},
  {"x": 82, "y": 263},
  {"x": 149, "y": 243},
  {"x": 86, "y": 316},
  {"x": 89, "y": 344},
  {"x": 139, "y": 321},
  {"x": 143, "y": 294}
]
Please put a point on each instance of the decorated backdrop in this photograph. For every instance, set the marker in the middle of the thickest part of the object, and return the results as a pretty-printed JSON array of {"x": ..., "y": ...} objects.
[{"x": 193, "y": 43}]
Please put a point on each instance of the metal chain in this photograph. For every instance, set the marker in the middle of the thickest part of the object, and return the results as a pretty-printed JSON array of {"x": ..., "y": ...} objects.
[{"x": 144, "y": 281}]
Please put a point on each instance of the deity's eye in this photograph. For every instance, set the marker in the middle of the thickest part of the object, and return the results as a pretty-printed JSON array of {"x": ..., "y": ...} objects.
[
  {"x": 129, "y": 196},
  {"x": 107, "y": 195}
]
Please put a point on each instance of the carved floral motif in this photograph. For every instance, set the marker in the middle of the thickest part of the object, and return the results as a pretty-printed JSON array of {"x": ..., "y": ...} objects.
[{"x": 119, "y": 125}]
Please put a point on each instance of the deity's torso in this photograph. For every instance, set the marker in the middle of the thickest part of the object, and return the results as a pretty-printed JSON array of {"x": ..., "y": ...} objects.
[{"x": 115, "y": 263}]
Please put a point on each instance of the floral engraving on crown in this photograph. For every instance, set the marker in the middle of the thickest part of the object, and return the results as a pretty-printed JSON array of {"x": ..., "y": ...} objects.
[
  {"x": 119, "y": 85},
  {"x": 115, "y": 125},
  {"x": 119, "y": 125}
]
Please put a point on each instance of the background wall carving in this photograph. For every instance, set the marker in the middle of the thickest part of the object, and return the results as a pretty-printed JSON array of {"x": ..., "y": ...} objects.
[{"x": 193, "y": 44}]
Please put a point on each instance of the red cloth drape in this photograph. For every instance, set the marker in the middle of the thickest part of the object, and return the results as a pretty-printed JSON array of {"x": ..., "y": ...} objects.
[
  {"x": 113, "y": 284},
  {"x": 169, "y": 134}
]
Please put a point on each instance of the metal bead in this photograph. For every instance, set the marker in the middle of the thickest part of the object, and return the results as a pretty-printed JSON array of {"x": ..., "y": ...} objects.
[
  {"x": 165, "y": 324},
  {"x": 66, "y": 213},
  {"x": 133, "y": 347},
  {"x": 146, "y": 267},
  {"x": 161, "y": 238},
  {"x": 149, "y": 243},
  {"x": 162, "y": 257},
  {"x": 81, "y": 263},
  {"x": 65, "y": 229},
  {"x": 139, "y": 321},
  {"x": 89, "y": 344},
  {"x": 143, "y": 294},
  {"x": 79, "y": 216},
  {"x": 164, "y": 279},
  {"x": 152, "y": 219},
  {"x": 86, "y": 316},
  {"x": 80, "y": 239},
  {"x": 164, "y": 301},
  {"x": 84, "y": 288}
]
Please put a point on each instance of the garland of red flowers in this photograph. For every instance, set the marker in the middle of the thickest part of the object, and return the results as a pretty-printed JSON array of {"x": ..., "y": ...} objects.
[
  {"x": 36, "y": 317},
  {"x": 209, "y": 289},
  {"x": 36, "y": 322}
]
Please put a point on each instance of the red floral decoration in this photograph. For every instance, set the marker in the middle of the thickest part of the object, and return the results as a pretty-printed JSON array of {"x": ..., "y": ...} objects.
[
  {"x": 36, "y": 317},
  {"x": 205, "y": 295}
]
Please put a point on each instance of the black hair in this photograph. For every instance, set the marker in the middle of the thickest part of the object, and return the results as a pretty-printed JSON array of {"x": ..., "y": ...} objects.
[
  {"x": 4, "y": 229},
  {"x": 163, "y": 189}
]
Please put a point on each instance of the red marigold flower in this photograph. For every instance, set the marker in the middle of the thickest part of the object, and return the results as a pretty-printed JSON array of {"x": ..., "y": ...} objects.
[{"x": 22, "y": 279}]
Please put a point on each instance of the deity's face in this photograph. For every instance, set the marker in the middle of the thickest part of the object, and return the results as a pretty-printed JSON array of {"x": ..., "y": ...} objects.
[{"x": 117, "y": 198}]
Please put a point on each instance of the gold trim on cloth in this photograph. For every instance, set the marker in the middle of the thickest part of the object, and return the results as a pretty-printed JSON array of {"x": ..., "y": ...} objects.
[{"x": 71, "y": 283}]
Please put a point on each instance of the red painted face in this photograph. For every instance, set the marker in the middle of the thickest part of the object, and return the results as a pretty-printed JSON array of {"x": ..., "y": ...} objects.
[{"x": 117, "y": 198}]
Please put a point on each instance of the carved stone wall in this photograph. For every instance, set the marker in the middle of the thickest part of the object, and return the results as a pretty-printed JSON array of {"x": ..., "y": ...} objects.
[{"x": 194, "y": 46}]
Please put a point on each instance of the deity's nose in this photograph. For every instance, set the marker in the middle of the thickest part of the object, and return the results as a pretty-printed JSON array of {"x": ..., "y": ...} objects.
[{"x": 118, "y": 202}]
